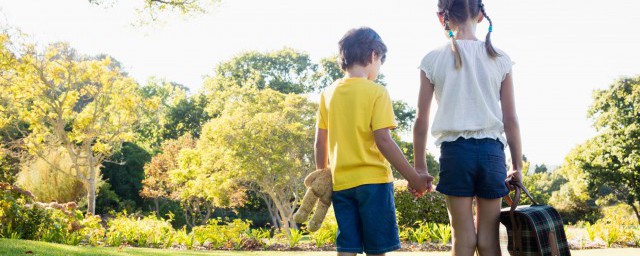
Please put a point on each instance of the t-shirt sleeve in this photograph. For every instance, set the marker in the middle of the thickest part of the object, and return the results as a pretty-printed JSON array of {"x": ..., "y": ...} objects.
[
  {"x": 321, "y": 116},
  {"x": 382, "y": 116},
  {"x": 505, "y": 65},
  {"x": 426, "y": 65}
]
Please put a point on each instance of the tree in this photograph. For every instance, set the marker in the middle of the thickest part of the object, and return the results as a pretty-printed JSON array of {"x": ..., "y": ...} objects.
[
  {"x": 176, "y": 113},
  {"x": 286, "y": 71},
  {"x": 540, "y": 168},
  {"x": 573, "y": 199},
  {"x": 152, "y": 9},
  {"x": 615, "y": 153},
  {"x": 264, "y": 139},
  {"x": 124, "y": 172},
  {"x": 87, "y": 106}
]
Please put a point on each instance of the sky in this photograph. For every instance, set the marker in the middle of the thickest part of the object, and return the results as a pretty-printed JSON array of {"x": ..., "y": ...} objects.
[{"x": 563, "y": 50}]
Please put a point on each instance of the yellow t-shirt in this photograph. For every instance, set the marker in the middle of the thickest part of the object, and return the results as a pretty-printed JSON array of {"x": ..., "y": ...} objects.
[{"x": 350, "y": 110}]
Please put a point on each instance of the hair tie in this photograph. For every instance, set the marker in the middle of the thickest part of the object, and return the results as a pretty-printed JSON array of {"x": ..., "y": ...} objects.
[
  {"x": 450, "y": 33},
  {"x": 490, "y": 28}
]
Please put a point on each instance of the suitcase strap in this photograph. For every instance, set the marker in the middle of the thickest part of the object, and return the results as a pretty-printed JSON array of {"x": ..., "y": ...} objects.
[{"x": 515, "y": 225}]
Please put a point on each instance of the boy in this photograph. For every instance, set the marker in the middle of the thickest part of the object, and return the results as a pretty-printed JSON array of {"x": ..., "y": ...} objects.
[{"x": 354, "y": 118}]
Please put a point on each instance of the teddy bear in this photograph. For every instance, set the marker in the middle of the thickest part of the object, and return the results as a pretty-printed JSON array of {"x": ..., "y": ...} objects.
[{"x": 319, "y": 188}]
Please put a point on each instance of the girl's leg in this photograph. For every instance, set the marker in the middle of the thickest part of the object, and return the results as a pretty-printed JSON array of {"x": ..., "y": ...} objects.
[
  {"x": 488, "y": 223},
  {"x": 463, "y": 229}
]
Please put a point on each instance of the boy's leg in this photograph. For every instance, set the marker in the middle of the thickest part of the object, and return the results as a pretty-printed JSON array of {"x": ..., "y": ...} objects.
[
  {"x": 463, "y": 229},
  {"x": 378, "y": 215},
  {"x": 488, "y": 223},
  {"x": 349, "y": 238}
]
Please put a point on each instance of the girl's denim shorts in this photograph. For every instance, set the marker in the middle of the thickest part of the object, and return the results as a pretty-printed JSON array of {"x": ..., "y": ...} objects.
[{"x": 473, "y": 167}]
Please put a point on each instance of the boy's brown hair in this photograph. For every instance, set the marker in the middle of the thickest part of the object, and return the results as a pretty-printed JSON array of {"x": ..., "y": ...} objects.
[{"x": 357, "y": 45}]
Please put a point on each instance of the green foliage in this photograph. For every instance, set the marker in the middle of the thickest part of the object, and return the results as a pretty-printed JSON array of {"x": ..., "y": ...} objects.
[
  {"x": 262, "y": 138},
  {"x": 405, "y": 115},
  {"x": 294, "y": 237},
  {"x": 573, "y": 200},
  {"x": 423, "y": 232},
  {"x": 612, "y": 158},
  {"x": 87, "y": 106},
  {"x": 22, "y": 218},
  {"x": 149, "y": 231},
  {"x": 125, "y": 173},
  {"x": 327, "y": 233},
  {"x": 591, "y": 231},
  {"x": 217, "y": 234},
  {"x": 540, "y": 168},
  {"x": 176, "y": 114},
  {"x": 541, "y": 185},
  {"x": 286, "y": 71},
  {"x": 429, "y": 208},
  {"x": 442, "y": 233},
  {"x": 50, "y": 177}
]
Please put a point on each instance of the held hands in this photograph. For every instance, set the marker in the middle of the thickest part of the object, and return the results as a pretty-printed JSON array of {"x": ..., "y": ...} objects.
[{"x": 422, "y": 185}]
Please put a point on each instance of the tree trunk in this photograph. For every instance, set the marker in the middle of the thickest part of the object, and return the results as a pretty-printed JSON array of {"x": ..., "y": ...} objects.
[
  {"x": 155, "y": 201},
  {"x": 272, "y": 211},
  {"x": 283, "y": 213},
  {"x": 91, "y": 196},
  {"x": 635, "y": 209}
]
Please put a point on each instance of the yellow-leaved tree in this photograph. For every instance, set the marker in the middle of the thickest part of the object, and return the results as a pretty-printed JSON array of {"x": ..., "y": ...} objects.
[{"x": 85, "y": 106}]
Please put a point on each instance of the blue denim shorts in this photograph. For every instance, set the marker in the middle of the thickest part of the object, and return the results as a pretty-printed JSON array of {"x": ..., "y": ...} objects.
[
  {"x": 366, "y": 218},
  {"x": 473, "y": 167}
]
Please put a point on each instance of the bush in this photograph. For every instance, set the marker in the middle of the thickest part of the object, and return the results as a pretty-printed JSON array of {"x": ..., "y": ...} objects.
[
  {"x": 22, "y": 218},
  {"x": 429, "y": 208},
  {"x": 149, "y": 231},
  {"x": 327, "y": 233},
  {"x": 217, "y": 234}
]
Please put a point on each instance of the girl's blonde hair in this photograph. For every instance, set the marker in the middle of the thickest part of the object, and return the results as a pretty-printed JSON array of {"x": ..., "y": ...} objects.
[{"x": 458, "y": 12}]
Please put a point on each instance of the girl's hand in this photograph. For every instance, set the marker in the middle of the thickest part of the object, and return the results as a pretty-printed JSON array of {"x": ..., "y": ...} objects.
[{"x": 513, "y": 176}]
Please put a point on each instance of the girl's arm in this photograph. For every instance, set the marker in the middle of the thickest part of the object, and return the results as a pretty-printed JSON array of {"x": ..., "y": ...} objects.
[
  {"x": 511, "y": 127},
  {"x": 321, "y": 149},
  {"x": 421, "y": 126}
]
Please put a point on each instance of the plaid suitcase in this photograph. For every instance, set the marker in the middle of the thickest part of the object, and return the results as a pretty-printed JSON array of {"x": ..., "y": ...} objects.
[{"x": 534, "y": 230}]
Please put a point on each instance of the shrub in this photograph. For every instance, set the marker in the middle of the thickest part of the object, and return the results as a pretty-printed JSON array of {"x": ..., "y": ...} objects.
[
  {"x": 147, "y": 231},
  {"x": 421, "y": 234},
  {"x": 294, "y": 237},
  {"x": 443, "y": 233},
  {"x": 429, "y": 208},
  {"x": 218, "y": 234},
  {"x": 327, "y": 233}
]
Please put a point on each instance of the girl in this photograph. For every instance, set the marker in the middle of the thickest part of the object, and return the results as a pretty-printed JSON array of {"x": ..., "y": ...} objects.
[{"x": 474, "y": 90}]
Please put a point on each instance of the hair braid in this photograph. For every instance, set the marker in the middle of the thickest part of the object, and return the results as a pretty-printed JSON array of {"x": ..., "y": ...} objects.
[
  {"x": 454, "y": 44},
  {"x": 490, "y": 50}
]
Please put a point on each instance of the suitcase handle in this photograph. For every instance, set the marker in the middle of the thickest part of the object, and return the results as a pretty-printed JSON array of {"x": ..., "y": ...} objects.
[
  {"x": 517, "y": 229},
  {"x": 515, "y": 201}
]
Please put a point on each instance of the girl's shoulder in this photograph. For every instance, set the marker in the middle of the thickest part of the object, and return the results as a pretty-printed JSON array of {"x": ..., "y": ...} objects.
[{"x": 437, "y": 52}]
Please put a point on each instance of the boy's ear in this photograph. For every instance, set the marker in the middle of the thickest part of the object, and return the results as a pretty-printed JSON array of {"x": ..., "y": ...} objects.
[
  {"x": 373, "y": 57},
  {"x": 480, "y": 17}
]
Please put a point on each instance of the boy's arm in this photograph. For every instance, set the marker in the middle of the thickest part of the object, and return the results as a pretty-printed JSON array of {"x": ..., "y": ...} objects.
[
  {"x": 511, "y": 127},
  {"x": 421, "y": 126},
  {"x": 394, "y": 155},
  {"x": 321, "y": 149}
]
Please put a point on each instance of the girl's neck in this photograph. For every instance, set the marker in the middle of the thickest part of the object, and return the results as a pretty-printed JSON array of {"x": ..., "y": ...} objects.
[{"x": 466, "y": 31}]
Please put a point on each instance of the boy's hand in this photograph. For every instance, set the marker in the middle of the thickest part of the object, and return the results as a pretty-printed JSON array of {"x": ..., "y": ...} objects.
[{"x": 419, "y": 187}]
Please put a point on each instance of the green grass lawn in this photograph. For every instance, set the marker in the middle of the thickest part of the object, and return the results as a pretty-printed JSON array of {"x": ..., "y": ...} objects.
[{"x": 21, "y": 247}]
